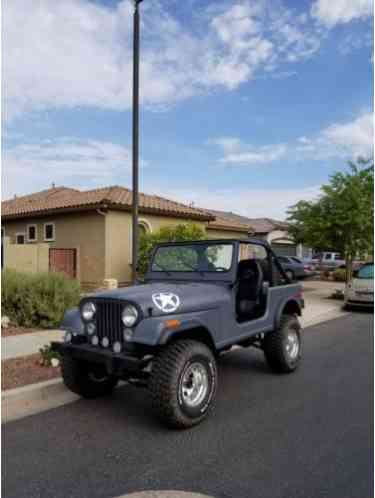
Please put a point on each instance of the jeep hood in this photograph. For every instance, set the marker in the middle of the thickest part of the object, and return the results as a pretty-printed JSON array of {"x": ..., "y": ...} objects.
[{"x": 191, "y": 296}]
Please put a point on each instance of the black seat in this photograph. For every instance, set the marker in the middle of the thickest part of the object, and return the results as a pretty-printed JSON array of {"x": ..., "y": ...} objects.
[{"x": 250, "y": 280}]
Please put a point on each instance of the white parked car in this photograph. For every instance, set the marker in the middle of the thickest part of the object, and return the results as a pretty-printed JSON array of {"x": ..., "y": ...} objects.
[{"x": 360, "y": 290}]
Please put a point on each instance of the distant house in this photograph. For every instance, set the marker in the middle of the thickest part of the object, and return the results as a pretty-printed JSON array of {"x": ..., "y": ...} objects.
[
  {"x": 88, "y": 233},
  {"x": 275, "y": 232}
]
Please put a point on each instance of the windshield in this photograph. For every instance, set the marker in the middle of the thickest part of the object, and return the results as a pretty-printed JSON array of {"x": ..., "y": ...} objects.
[
  {"x": 193, "y": 258},
  {"x": 366, "y": 272}
]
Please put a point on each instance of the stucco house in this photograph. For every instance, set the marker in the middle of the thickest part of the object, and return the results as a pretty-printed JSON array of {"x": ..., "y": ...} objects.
[
  {"x": 88, "y": 233},
  {"x": 275, "y": 232}
]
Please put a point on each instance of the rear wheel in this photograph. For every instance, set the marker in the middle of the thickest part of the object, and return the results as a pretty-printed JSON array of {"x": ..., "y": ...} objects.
[
  {"x": 183, "y": 383},
  {"x": 282, "y": 348},
  {"x": 89, "y": 380}
]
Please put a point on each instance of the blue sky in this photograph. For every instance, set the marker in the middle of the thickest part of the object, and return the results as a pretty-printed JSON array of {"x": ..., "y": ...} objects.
[{"x": 247, "y": 105}]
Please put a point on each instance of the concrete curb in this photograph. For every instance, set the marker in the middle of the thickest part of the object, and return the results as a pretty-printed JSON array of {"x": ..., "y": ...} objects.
[
  {"x": 324, "y": 317},
  {"x": 164, "y": 494},
  {"x": 35, "y": 398}
]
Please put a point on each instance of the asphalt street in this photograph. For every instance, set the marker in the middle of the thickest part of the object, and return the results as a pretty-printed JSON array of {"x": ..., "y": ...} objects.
[{"x": 307, "y": 434}]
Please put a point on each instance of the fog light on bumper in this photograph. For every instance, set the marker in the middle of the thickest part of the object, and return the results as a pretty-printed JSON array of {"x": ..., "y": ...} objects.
[
  {"x": 128, "y": 335},
  {"x": 117, "y": 347}
]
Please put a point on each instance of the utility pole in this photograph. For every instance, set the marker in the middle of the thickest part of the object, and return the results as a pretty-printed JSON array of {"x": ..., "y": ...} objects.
[{"x": 135, "y": 151}]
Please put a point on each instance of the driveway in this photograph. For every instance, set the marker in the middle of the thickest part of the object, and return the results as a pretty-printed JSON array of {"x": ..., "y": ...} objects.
[
  {"x": 319, "y": 306},
  {"x": 304, "y": 435}
]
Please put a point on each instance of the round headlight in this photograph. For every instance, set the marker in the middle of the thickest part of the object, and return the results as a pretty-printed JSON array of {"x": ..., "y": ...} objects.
[
  {"x": 95, "y": 340},
  {"x": 129, "y": 315},
  {"x": 88, "y": 311}
]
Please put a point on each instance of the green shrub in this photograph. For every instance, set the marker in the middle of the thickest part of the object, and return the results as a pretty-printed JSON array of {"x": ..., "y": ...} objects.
[
  {"x": 37, "y": 300},
  {"x": 339, "y": 275},
  {"x": 177, "y": 233}
]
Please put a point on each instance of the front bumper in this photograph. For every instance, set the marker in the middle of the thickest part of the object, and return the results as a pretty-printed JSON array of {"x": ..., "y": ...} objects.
[{"x": 116, "y": 364}]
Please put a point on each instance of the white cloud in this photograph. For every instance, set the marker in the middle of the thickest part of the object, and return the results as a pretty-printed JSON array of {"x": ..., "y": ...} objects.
[
  {"x": 346, "y": 140},
  {"x": 331, "y": 12},
  {"x": 31, "y": 167},
  {"x": 339, "y": 140},
  {"x": 78, "y": 53},
  {"x": 237, "y": 153},
  {"x": 270, "y": 202}
]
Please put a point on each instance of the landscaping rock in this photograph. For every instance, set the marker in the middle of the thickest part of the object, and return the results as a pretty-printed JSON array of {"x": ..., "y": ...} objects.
[{"x": 5, "y": 321}]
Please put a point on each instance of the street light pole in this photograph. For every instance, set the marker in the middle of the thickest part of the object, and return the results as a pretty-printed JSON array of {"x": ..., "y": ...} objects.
[{"x": 135, "y": 151}]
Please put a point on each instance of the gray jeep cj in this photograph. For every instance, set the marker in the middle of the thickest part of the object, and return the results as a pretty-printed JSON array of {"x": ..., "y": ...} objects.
[{"x": 199, "y": 299}]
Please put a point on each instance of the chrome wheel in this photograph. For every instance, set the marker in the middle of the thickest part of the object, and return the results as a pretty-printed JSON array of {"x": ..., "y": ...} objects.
[
  {"x": 194, "y": 385},
  {"x": 292, "y": 344}
]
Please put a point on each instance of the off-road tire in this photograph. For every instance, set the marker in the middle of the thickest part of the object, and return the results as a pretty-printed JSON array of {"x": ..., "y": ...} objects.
[
  {"x": 274, "y": 345},
  {"x": 78, "y": 377},
  {"x": 166, "y": 383}
]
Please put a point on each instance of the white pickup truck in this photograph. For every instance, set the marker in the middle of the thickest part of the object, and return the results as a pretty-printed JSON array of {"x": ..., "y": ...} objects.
[{"x": 329, "y": 260}]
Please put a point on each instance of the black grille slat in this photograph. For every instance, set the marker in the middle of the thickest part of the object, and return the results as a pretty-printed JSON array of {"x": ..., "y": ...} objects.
[{"x": 108, "y": 320}]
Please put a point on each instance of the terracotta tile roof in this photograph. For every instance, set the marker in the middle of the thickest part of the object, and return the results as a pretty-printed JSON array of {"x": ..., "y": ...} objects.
[
  {"x": 222, "y": 223},
  {"x": 68, "y": 199},
  {"x": 255, "y": 225}
]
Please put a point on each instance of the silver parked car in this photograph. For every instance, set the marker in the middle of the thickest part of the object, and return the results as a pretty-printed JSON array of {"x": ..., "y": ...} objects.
[
  {"x": 293, "y": 267},
  {"x": 360, "y": 290}
]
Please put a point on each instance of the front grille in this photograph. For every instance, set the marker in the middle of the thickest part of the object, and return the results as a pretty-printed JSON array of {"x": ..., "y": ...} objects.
[{"x": 108, "y": 320}]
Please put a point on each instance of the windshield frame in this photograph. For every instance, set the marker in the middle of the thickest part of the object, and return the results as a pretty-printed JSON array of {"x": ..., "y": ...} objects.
[{"x": 227, "y": 275}]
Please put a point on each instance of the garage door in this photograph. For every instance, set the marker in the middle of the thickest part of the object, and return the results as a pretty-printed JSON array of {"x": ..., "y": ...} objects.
[
  {"x": 285, "y": 249},
  {"x": 63, "y": 261}
]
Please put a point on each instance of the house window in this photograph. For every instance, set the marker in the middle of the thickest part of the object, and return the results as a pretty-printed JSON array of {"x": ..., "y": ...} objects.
[
  {"x": 31, "y": 233},
  {"x": 20, "y": 238},
  {"x": 49, "y": 232}
]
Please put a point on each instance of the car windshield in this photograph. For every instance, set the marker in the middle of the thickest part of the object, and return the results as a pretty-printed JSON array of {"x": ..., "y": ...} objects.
[
  {"x": 366, "y": 272},
  {"x": 193, "y": 258}
]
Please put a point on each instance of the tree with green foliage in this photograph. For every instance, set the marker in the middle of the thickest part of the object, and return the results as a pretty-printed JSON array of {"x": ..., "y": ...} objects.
[
  {"x": 342, "y": 218},
  {"x": 176, "y": 233}
]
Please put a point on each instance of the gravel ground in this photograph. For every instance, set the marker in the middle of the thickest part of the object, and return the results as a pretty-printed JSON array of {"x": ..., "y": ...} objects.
[{"x": 25, "y": 370}]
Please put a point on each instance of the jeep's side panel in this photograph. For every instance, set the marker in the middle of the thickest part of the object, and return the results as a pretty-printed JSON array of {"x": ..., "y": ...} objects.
[
  {"x": 72, "y": 321},
  {"x": 221, "y": 322},
  {"x": 276, "y": 298}
]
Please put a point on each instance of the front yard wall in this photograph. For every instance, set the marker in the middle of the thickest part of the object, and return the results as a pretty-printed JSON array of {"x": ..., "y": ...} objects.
[
  {"x": 84, "y": 231},
  {"x": 31, "y": 258}
]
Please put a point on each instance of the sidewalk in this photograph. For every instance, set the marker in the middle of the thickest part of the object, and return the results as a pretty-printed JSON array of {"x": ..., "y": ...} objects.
[
  {"x": 319, "y": 307},
  {"x": 25, "y": 344}
]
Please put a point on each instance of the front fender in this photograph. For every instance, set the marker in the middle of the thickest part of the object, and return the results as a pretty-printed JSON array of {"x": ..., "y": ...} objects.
[
  {"x": 72, "y": 321},
  {"x": 157, "y": 331}
]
